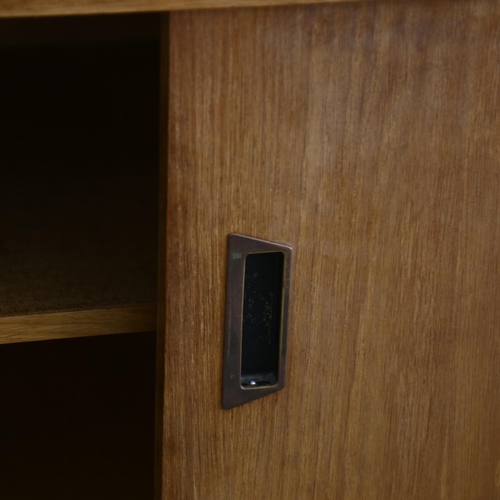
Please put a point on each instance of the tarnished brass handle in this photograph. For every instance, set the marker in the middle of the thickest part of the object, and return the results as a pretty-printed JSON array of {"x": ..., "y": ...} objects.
[{"x": 257, "y": 298}]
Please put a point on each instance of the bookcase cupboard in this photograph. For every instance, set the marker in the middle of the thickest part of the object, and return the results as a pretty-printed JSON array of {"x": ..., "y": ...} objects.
[{"x": 137, "y": 137}]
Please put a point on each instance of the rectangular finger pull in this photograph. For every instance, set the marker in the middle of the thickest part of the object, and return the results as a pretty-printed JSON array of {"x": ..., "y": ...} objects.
[{"x": 257, "y": 297}]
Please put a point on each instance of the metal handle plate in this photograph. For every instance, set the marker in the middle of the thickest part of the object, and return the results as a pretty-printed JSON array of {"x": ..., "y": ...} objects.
[{"x": 257, "y": 300}]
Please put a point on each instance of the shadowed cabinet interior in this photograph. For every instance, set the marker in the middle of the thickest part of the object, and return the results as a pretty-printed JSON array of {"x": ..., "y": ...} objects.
[{"x": 78, "y": 257}]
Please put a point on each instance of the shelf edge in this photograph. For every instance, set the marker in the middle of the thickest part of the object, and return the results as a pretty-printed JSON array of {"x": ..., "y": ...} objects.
[{"x": 73, "y": 324}]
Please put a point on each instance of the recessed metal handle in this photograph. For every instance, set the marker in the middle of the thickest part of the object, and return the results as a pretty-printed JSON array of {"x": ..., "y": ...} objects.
[{"x": 257, "y": 298}]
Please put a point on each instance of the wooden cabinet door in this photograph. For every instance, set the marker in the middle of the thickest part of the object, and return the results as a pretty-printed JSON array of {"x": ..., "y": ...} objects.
[{"x": 366, "y": 136}]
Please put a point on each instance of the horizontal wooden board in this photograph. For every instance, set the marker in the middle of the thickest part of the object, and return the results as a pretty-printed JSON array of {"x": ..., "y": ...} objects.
[
  {"x": 74, "y": 324},
  {"x": 26, "y": 8}
]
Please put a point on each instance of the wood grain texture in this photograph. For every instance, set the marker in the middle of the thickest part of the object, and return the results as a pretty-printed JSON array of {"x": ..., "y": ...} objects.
[
  {"x": 74, "y": 324},
  {"x": 25, "y": 8},
  {"x": 366, "y": 136}
]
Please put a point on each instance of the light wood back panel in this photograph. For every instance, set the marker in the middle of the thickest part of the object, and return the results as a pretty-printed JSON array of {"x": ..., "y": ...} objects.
[{"x": 366, "y": 136}]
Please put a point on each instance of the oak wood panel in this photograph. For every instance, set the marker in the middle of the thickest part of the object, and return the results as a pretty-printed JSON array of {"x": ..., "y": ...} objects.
[
  {"x": 72, "y": 324},
  {"x": 24, "y": 8},
  {"x": 366, "y": 136}
]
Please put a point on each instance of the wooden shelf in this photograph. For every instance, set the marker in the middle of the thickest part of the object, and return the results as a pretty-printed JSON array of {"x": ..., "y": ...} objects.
[
  {"x": 72, "y": 324},
  {"x": 79, "y": 189}
]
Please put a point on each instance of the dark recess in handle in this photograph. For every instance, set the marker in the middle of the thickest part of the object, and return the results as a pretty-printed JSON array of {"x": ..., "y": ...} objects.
[
  {"x": 261, "y": 328},
  {"x": 257, "y": 296}
]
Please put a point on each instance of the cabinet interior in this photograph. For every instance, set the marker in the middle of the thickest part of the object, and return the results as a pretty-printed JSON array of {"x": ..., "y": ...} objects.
[
  {"x": 78, "y": 256},
  {"x": 77, "y": 419},
  {"x": 79, "y": 176}
]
